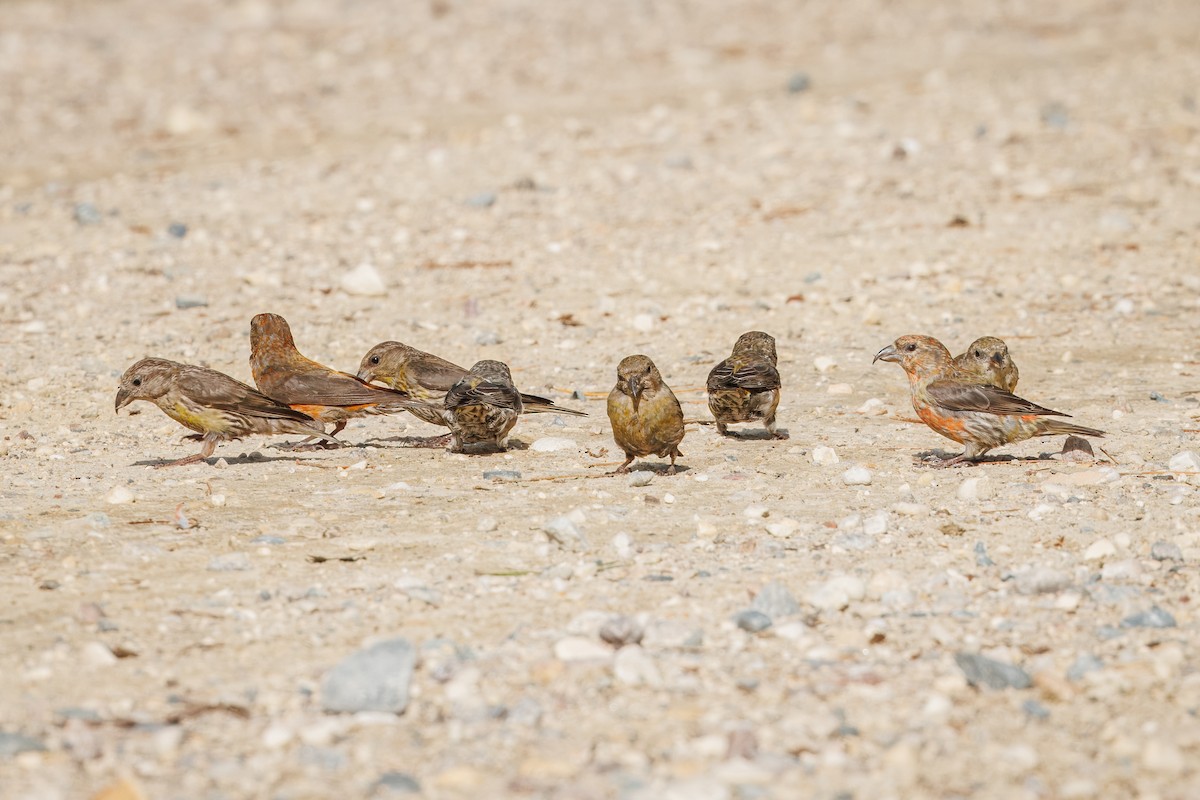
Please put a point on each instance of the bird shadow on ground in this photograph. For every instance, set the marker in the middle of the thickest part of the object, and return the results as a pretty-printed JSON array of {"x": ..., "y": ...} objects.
[
  {"x": 755, "y": 435},
  {"x": 932, "y": 458},
  {"x": 252, "y": 458},
  {"x": 657, "y": 469}
]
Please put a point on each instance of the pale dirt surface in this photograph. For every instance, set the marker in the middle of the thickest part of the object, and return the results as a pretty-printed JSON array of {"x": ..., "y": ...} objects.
[{"x": 655, "y": 180}]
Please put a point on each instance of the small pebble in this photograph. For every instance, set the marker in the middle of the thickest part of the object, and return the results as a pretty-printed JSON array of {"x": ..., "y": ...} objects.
[
  {"x": 981, "y": 556},
  {"x": 1153, "y": 617},
  {"x": 363, "y": 281},
  {"x": 641, "y": 477},
  {"x": 1035, "y": 710},
  {"x": 1187, "y": 461},
  {"x": 563, "y": 531},
  {"x": 551, "y": 444},
  {"x": 1166, "y": 551},
  {"x": 502, "y": 475},
  {"x": 1054, "y": 115},
  {"x": 775, "y": 601},
  {"x": 799, "y": 83},
  {"x": 857, "y": 476},
  {"x": 752, "y": 621},
  {"x": 487, "y": 338},
  {"x": 824, "y": 456},
  {"x": 184, "y": 301},
  {"x": 633, "y": 666},
  {"x": 229, "y": 562},
  {"x": 87, "y": 214},
  {"x": 574, "y": 649},
  {"x": 622, "y": 630},
  {"x": 1083, "y": 664},
  {"x": 177, "y": 230},
  {"x": 983, "y": 671},
  {"x": 397, "y": 783},
  {"x": 374, "y": 679},
  {"x": 482, "y": 200},
  {"x": 824, "y": 363},
  {"x": 1099, "y": 549},
  {"x": 119, "y": 496},
  {"x": 12, "y": 744}
]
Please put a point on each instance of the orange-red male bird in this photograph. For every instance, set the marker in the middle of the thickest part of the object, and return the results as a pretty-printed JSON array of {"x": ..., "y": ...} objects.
[
  {"x": 325, "y": 394},
  {"x": 988, "y": 358},
  {"x": 966, "y": 408},
  {"x": 646, "y": 418},
  {"x": 482, "y": 407},
  {"x": 427, "y": 377},
  {"x": 211, "y": 403},
  {"x": 745, "y": 386}
]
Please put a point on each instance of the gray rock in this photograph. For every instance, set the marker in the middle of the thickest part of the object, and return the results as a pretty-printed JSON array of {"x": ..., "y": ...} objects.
[
  {"x": 1054, "y": 115},
  {"x": 564, "y": 531},
  {"x": 87, "y": 214},
  {"x": 1153, "y": 617},
  {"x": 1035, "y": 710},
  {"x": 268, "y": 539},
  {"x": 752, "y": 621},
  {"x": 1042, "y": 580},
  {"x": 374, "y": 679},
  {"x": 229, "y": 562},
  {"x": 177, "y": 230},
  {"x": 486, "y": 338},
  {"x": 482, "y": 200},
  {"x": 1166, "y": 551},
  {"x": 191, "y": 301},
  {"x": 397, "y": 783},
  {"x": 12, "y": 744},
  {"x": 775, "y": 601},
  {"x": 983, "y": 671},
  {"x": 502, "y": 474},
  {"x": 1084, "y": 663},
  {"x": 622, "y": 630},
  {"x": 799, "y": 83},
  {"x": 982, "y": 559}
]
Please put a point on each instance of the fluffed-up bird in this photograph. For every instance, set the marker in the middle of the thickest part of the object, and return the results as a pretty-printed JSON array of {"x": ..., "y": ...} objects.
[
  {"x": 745, "y": 387},
  {"x": 482, "y": 407},
  {"x": 216, "y": 406},
  {"x": 645, "y": 415}
]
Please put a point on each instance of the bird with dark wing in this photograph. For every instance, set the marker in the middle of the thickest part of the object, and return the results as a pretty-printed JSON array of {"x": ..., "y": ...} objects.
[{"x": 745, "y": 387}]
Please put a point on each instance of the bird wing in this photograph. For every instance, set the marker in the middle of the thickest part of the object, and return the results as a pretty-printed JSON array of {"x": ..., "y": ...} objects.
[
  {"x": 216, "y": 390},
  {"x": 328, "y": 387},
  {"x": 476, "y": 391},
  {"x": 955, "y": 395},
  {"x": 752, "y": 375},
  {"x": 434, "y": 373}
]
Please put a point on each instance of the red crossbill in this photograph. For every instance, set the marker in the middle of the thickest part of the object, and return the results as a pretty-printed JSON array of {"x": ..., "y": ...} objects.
[
  {"x": 482, "y": 406},
  {"x": 988, "y": 357},
  {"x": 745, "y": 387},
  {"x": 645, "y": 415}
]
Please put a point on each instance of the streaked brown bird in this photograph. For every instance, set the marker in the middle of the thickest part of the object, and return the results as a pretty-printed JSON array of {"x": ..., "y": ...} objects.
[
  {"x": 745, "y": 387},
  {"x": 427, "y": 377},
  {"x": 988, "y": 358},
  {"x": 482, "y": 407},
  {"x": 211, "y": 403},
  {"x": 645, "y": 415},
  {"x": 325, "y": 394},
  {"x": 965, "y": 407}
]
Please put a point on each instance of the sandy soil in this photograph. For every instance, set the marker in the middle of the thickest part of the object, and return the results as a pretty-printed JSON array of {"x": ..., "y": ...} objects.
[{"x": 558, "y": 185}]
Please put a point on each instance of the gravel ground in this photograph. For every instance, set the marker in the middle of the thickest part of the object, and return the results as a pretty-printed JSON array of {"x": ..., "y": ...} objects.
[{"x": 558, "y": 185}]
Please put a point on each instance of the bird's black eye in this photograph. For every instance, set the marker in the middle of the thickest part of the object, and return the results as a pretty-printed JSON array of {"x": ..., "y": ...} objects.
[
  {"x": 374, "y": 359},
  {"x": 647, "y": 369},
  {"x": 979, "y": 354},
  {"x": 137, "y": 381},
  {"x": 912, "y": 348}
]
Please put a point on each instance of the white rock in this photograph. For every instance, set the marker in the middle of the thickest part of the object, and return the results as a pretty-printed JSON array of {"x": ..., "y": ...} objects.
[
  {"x": 824, "y": 363},
  {"x": 783, "y": 528},
  {"x": 551, "y": 444},
  {"x": 97, "y": 654},
  {"x": 632, "y": 666},
  {"x": 905, "y": 509},
  {"x": 876, "y": 524},
  {"x": 857, "y": 476},
  {"x": 641, "y": 477},
  {"x": 643, "y": 323},
  {"x": 119, "y": 496},
  {"x": 874, "y": 407},
  {"x": 823, "y": 456},
  {"x": 975, "y": 489},
  {"x": 364, "y": 280},
  {"x": 1159, "y": 755},
  {"x": 1088, "y": 477},
  {"x": 840, "y": 388},
  {"x": 217, "y": 500},
  {"x": 1099, "y": 549},
  {"x": 579, "y": 648},
  {"x": 622, "y": 543},
  {"x": 836, "y": 593},
  {"x": 277, "y": 735},
  {"x": 1187, "y": 461},
  {"x": 756, "y": 511}
]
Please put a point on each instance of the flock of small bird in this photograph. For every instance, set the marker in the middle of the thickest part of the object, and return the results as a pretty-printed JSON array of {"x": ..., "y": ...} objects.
[{"x": 968, "y": 398}]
